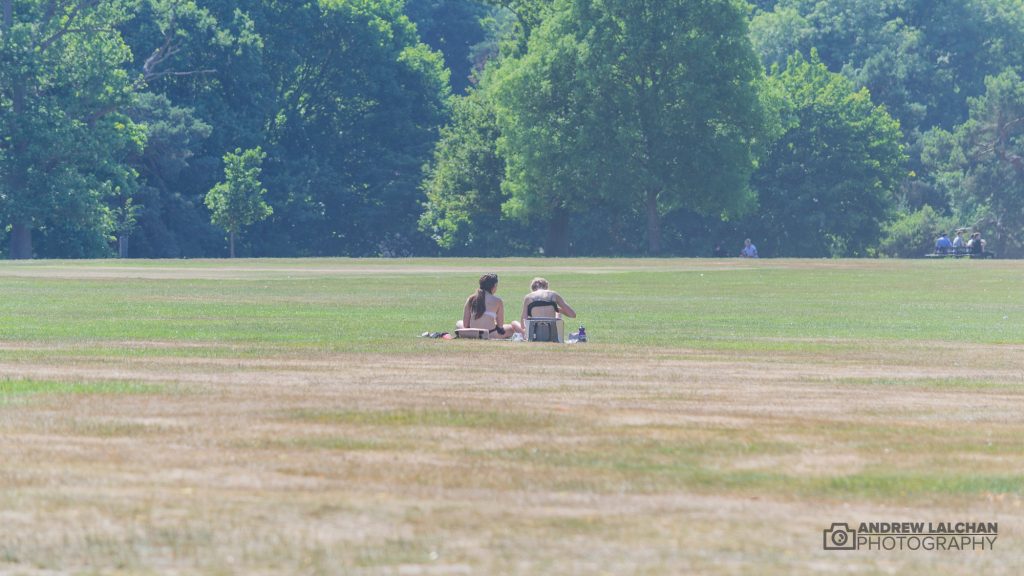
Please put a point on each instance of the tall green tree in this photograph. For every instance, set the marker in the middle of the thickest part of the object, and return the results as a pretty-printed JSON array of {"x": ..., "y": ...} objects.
[
  {"x": 62, "y": 85},
  {"x": 210, "y": 93},
  {"x": 463, "y": 183},
  {"x": 238, "y": 201},
  {"x": 984, "y": 159},
  {"x": 627, "y": 103},
  {"x": 170, "y": 221},
  {"x": 920, "y": 58},
  {"x": 827, "y": 185},
  {"x": 357, "y": 104},
  {"x": 341, "y": 93}
]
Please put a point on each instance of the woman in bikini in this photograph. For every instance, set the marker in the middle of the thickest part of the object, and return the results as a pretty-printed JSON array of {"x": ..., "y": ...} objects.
[{"x": 485, "y": 310}]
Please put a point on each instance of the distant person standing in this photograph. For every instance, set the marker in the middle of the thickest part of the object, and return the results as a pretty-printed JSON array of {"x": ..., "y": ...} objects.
[
  {"x": 749, "y": 250},
  {"x": 959, "y": 242}
]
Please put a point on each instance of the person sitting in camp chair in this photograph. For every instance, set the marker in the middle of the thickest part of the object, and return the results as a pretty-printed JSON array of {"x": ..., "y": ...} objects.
[
  {"x": 543, "y": 303},
  {"x": 485, "y": 311}
]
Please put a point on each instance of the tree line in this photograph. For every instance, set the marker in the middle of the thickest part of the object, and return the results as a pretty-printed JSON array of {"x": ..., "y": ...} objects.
[{"x": 181, "y": 128}]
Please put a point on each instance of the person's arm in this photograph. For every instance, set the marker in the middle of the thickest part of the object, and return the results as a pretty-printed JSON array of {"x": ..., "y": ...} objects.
[
  {"x": 564, "y": 307},
  {"x": 526, "y": 305},
  {"x": 499, "y": 317}
]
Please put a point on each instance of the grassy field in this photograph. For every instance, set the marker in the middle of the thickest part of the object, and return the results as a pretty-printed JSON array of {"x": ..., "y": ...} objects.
[{"x": 282, "y": 417}]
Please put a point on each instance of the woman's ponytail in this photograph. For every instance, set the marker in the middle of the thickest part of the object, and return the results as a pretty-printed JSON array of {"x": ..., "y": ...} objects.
[
  {"x": 479, "y": 303},
  {"x": 487, "y": 284}
]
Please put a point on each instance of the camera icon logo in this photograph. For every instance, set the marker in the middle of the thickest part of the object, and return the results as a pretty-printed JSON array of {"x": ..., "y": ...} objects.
[{"x": 840, "y": 537}]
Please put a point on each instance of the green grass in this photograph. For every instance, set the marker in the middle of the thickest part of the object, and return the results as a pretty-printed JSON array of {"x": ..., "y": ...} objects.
[
  {"x": 485, "y": 419},
  {"x": 932, "y": 383},
  {"x": 331, "y": 443},
  {"x": 15, "y": 388},
  {"x": 319, "y": 434},
  {"x": 687, "y": 303},
  {"x": 641, "y": 466}
]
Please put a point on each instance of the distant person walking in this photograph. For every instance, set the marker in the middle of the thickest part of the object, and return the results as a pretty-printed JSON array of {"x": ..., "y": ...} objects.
[{"x": 749, "y": 250}]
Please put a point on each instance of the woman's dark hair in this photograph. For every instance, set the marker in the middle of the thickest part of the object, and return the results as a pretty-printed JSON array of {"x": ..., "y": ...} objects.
[{"x": 487, "y": 283}]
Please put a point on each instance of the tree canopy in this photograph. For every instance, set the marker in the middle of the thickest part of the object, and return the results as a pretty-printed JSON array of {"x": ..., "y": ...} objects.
[
  {"x": 633, "y": 105},
  {"x": 828, "y": 183},
  {"x": 63, "y": 88},
  {"x": 510, "y": 127}
]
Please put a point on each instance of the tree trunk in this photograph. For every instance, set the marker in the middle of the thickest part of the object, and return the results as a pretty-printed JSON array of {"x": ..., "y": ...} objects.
[
  {"x": 21, "y": 241},
  {"x": 558, "y": 234},
  {"x": 231, "y": 242},
  {"x": 653, "y": 224}
]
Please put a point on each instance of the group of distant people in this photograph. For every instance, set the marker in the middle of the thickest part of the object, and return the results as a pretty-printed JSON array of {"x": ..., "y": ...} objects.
[
  {"x": 484, "y": 310},
  {"x": 973, "y": 246}
]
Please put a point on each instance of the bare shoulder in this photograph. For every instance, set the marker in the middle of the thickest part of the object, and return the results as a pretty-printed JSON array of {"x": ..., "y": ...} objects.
[{"x": 542, "y": 295}]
